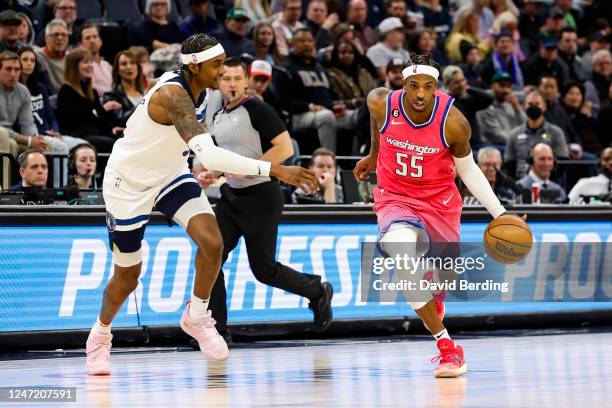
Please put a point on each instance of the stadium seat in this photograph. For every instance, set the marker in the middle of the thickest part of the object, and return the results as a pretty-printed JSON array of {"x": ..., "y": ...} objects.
[
  {"x": 122, "y": 10},
  {"x": 88, "y": 9}
]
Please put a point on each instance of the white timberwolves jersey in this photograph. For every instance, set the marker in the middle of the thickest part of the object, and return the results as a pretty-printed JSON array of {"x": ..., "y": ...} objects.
[{"x": 150, "y": 153}]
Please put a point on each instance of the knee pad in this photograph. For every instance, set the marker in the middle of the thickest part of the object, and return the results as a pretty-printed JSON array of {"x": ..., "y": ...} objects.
[{"x": 126, "y": 259}]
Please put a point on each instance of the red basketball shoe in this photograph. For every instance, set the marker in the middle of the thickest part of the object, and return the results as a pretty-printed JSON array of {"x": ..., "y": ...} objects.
[{"x": 452, "y": 364}]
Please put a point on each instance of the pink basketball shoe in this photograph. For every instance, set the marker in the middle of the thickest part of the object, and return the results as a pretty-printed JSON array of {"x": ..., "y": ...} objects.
[
  {"x": 98, "y": 353},
  {"x": 203, "y": 330},
  {"x": 452, "y": 364}
]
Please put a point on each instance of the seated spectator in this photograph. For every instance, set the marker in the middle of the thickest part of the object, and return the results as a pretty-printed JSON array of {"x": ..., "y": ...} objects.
[
  {"x": 481, "y": 8},
  {"x": 52, "y": 57},
  {"x": 570, "y": 17},
  {"x": 468, "y": 100},
  {"x": 156, "y": 31},
  {"x": 198, "y": 20},
  {"x": 437, "y": 17},
  {"x": 142, "y": 57},
  {"x": 423, "y": 41},
  {"x": 285, "y": 25},
  {"x": 25, "y": 33},
  {"x": 504, "y": 59},
  {"x": 265, "y": 44},
  {"x": 391, "y": 32},
  {"x": 395, "y": 78},
  {"x": 596, "y": 89},
  {"x": 323, "y": 164},
  {"x": 79, "y": 111},
  {"x": 535, "y": 130},
  {"x": 507, "y": 22},
  {"x": 257, "y": 10},
  {"x": 232, "y": 35},
  {"x": 568, "y": 47},
  {"x": 357, "y": 16},
  {"x": 553, "y": 24},
  {"x": 304, "y": 76},
  {"x": 600, "y": 185},
  {"x": 320, "y": 22},
  {"x": 14, "y": 5},
  {"x": 471, "y": 59},
  {"x": 33, "y": 170},
  {"x": 540, "y": 170},
  {"x": 9, "y": 31},
  {"x": 599, "y": 41},
  {"x": 66, "y": 10},
  {"x": 260, "y": 83},
  {"x": 490, "y": 161},
  {"x": 530, "y": 22},
  {"x": 82, "y": 169},
  {"x": 89, "y": 39},
  {"x": 580, "y": 113},
  {"x": 504, "y": 114},
  {"x": 466, "y": 29},
  {"x": 128, "y": 87},
  {"x": 350, "y": 82},
  {"x": 42, "y": 112},
  {"x": 554, "y": 112},
  {"x": 500, "y": 6},
  {"x": 16, "y": 109},
  {"x": 545, "y": 61},
  {"x": 7, "y": 145},
  {"x": 605, "y": 119}
]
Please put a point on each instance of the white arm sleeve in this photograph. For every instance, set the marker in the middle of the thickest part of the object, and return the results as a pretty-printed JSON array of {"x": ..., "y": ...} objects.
[
  {"x": 475, "y": 180},
  {"x": 216, "y": 158}
]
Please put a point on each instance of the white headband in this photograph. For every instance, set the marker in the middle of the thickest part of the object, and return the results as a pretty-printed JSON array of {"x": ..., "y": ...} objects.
[
  {"x": 420, "y": 69},
  {"x": 202, "y": 55}
]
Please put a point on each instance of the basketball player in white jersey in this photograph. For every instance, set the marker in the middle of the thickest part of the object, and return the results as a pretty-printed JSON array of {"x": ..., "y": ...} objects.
[{"x": 148, "y": 167}]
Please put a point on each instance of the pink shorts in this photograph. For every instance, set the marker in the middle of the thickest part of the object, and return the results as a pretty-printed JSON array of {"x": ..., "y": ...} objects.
[{"x": 440, "y": 216}]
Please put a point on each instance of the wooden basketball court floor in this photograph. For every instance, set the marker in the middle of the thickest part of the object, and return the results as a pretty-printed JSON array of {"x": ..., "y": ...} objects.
[{"x": 551, "y": 370}]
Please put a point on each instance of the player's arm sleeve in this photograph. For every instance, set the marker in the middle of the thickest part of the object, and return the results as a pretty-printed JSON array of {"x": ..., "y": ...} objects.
[
  {"x": 264, "y": 119},
  {"x": 475, "y": 180}
]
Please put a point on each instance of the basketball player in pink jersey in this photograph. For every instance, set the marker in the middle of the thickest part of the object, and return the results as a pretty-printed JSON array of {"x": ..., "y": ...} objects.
[{"x": 419, "y": 141}]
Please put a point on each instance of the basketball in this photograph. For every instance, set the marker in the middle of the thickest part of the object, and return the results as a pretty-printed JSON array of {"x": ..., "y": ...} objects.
[{"x": 508, "y": 239}]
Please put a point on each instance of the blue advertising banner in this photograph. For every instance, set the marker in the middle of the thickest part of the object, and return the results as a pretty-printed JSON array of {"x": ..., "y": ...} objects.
[{"x": 52, "y": 278}]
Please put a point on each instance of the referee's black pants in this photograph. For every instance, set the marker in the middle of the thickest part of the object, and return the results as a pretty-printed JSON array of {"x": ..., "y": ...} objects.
[{"x": 254, "y": 212}]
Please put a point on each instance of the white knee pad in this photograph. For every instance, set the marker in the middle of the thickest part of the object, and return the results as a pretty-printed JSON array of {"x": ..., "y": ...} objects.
[
  {"x": 127, "y": 259},
  {"x": 405, "y": 239}
]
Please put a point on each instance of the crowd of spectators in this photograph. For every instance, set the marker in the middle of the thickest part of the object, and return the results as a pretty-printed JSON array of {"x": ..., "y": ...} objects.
[{"x": 533, "y": 77}]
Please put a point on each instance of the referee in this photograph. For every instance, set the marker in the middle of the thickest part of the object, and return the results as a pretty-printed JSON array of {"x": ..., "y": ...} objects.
[{"x": 251, "y": 206}]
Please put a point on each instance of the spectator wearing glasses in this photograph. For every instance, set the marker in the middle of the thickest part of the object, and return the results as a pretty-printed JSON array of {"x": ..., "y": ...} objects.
[{"x": 52, "y": 57}]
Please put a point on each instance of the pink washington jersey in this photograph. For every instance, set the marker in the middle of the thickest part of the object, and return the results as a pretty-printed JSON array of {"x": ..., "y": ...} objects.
[{"x": 416, "y": 172}]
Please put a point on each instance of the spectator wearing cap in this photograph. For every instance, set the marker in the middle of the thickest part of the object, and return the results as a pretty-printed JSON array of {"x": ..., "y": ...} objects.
[
  {"x": 597, "y": 88},
  {"x": 553, "y": 24},
  {"x": 466, "y": 29},
  {"x": 568, "y": 47},
  {"x": 9, "y": 31},
  {"x": 504, "y": 114},
  {"x": 320, "y": 22},
  {"x": 530, "y": 22},
  {"x": 485, "y": 15},
  {"x": 52, "y": 57},
  {"x": 15, "y": 6},
  {"x": 357, "y": 16},
  {"x": 391, "y": 31},
  {"x": 286, "y": 23},
  {"x": 599, "y": 41},
  {"x": 546, "y": 61},
  {"x": 467, "y": 99},
  {"x": 471, "y": 59},
  {"x": 437, "y": 17},
  {"x": 198, "y": 20},
  {"x": 540, "y": 171},
  {"x": 395, "y": 78},
  {"x": 232, "y": 35},
  {"x": 503, "y": 58},
  {"x": 260, "y": 83},
  {"x": 156, "y": 31}
]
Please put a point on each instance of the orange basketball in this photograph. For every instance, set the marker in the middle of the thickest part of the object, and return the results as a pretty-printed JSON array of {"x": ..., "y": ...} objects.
[{"x": 508, "y": 239}]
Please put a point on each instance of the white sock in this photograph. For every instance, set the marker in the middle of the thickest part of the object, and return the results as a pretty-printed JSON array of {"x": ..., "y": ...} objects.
[
  {"x": 101, "y": 328},
  {"x": 197, "y": 307},
  {"x": 441, "y": 335}
]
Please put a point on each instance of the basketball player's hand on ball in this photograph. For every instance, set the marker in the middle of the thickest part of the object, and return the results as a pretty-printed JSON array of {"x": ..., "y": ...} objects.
[
  {"x": 364, "y": 167},
  {"x": 295, "y": 175}
]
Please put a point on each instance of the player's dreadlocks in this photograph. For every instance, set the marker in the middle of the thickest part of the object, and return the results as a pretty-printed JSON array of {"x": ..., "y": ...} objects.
[
  {"x": 196, "y": 43},
  {"x": 423, "y": 59}
]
